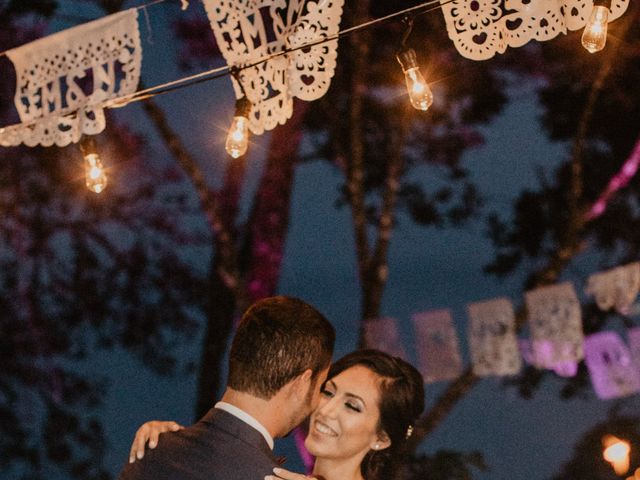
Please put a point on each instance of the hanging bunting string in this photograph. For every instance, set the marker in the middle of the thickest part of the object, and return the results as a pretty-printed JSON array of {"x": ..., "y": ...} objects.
[
  {"x": 224, "y": 71},
  {"x": 139, "y": 7}
]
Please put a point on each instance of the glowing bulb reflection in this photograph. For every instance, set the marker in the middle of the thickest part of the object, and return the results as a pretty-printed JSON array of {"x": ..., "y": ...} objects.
[{"x": 594, "y": 36}]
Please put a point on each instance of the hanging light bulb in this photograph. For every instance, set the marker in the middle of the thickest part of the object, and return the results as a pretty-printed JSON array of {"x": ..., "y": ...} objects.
[
  {"x": 594, "y": 36},
  {"x": 94, "y": 172},
  {"x": 419, "y": 92},
  {"x": 238, "y": 136}
]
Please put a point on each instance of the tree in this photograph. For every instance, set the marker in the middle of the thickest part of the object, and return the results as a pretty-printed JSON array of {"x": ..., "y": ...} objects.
[
  {"x": 82, "y": 272},
  {"x": 588, "y": 463},
  {"x": 389, "y": 135},
  {"x": 549, "y": 227}
]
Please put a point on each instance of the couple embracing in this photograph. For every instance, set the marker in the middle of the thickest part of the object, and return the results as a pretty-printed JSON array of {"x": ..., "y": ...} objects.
[{"x": 362, "y": 407}]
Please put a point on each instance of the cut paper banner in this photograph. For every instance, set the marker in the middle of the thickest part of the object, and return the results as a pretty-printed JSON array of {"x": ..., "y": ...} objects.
[
  {"x": 382, "y": 333},
  {"x": 611, "y": 369},
  {"x": 492, "y": 338},
  {"x": 249, "y": 30},
  {"x": 481, "y": 28},
  {"x": 555, "y": 323},
  {"x": 633, "y": 339},
  {"x": 540, "y": 355},
  {"x": 615, "y": 288},
  {"x": 437, "y": 346},
  {"x": 64, "y": 80}
]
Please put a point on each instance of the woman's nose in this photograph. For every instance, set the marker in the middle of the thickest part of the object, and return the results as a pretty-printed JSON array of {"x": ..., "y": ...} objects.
[{"x": 328, "y": 406}]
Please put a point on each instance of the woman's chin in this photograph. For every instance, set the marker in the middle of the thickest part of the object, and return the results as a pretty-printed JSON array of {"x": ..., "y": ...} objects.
[{"x": 311, "y": 447}]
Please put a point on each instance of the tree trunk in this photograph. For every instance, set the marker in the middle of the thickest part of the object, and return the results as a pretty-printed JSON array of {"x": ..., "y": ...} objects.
[
  {"x": 269, "y": 219},
  {"x": 262, "y": 252},
  {"x": 222, "y": 302}
]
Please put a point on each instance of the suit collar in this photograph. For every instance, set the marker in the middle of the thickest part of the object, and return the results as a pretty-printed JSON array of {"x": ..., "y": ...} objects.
[
  {"x": 246, "y": 418},
  {"x": 233, "y": 425}
]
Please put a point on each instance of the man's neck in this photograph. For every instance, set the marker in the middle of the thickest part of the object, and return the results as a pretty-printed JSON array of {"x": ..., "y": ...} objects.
[{"x": 267, "y": 412}]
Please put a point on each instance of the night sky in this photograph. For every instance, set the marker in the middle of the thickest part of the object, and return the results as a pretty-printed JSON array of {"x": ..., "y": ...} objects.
[{"x": 428, "y": 269}]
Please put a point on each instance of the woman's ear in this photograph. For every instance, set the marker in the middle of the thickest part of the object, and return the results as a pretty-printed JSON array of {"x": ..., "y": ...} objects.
[{"x": 381, "y": 442}]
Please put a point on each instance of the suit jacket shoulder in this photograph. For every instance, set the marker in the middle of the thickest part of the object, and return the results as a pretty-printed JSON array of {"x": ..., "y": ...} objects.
[{"x": 219, "y": 447}]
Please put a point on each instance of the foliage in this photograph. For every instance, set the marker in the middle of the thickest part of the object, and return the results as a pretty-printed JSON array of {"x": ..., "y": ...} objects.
[
  {"x": 81, "y": 272},
  {"x": 539, "y": 218},
  {"x": 543, "y": 228}
]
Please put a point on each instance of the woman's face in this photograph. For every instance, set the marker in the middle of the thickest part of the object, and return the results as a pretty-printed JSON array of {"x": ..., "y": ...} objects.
[{"x": 346, "y": 420}]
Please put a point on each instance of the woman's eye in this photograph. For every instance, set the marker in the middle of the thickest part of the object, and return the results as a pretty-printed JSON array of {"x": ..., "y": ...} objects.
[
  {"x": 353, "y": 406},
  {"x": 326, "y": 393}
]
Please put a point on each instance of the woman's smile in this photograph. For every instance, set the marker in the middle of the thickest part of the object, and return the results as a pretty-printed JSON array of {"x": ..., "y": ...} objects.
[{"x": 322, "y": 428}]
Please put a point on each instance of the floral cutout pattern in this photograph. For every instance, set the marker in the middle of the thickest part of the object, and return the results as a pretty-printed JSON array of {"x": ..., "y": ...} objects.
[
  {"x": 481, "y": 28},
  {"x": 439, "y": 356},
  {"x": 612, "y": 371},
  {"x": 555, "y": 322},
  {"x": 249, "y": 31},
  {"x": 383, "y": 334},
  {"x": 616, "y": 288},
  {"x": 65, "y": 80},
  {"x": 492, "y": 338}
]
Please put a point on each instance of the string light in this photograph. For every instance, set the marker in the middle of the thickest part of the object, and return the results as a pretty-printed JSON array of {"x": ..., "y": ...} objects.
[
  {"x": 238, "y": 136},
  {"x": 94, "y": 172},
  {"x": 417, "y": 87},
  {"x": 419, "y": 92},
  {"x": 616, "y": 452},
  {"x": 594, "y": 36}
]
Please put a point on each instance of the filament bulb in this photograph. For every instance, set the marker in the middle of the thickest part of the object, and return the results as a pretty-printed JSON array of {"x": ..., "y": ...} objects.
[
  {"x": 238, "y": 136},
  {"x": 419, "y": 92},
  {"x": 95, "y": 176},
  {"x": 94, "y": 172},
  {"x": 594, "y": 36}
]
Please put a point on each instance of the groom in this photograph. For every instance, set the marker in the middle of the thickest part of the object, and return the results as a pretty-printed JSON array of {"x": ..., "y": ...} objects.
[{"x": 279, "y": 358}]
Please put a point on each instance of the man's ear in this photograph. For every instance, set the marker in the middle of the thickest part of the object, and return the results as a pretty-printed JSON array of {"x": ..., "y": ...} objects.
[
  {"x": 381, "y": 441},
  {"x": 300, "y": 385}
]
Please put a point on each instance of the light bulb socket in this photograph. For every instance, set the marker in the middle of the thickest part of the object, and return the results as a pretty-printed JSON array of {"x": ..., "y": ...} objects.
[
  {"x": 88, "y": 146},
  {"x": 243, "y": 107},
  {"x": 602, "y": 3},
  {"x": 407, "y": 59}
]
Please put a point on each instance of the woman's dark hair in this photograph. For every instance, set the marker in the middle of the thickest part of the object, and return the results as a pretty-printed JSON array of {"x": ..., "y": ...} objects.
[{"x": 401, "y": 403}]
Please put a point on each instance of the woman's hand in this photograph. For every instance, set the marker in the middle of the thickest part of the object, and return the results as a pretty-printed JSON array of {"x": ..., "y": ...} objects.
[
  {"x": 281, "y": 473},
  {"x": 149, "y": 432}
]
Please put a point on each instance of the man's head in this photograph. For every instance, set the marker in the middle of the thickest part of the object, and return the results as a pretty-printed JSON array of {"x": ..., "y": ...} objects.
[{"x": 281, "y": 339}]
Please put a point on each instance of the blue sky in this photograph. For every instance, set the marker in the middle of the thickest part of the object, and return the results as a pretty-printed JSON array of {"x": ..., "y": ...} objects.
[{"x": 429, "y": 269}]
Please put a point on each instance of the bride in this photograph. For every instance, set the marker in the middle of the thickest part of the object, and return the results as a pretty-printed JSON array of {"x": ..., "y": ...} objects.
[{"x": 359, "y": 430}]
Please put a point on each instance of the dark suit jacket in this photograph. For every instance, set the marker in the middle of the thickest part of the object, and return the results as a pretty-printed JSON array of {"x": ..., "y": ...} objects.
[{"x": 218, "y": 447}]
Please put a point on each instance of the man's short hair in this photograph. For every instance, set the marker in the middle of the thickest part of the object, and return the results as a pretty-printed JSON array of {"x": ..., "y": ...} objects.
[{"x": 278, "y": 338}]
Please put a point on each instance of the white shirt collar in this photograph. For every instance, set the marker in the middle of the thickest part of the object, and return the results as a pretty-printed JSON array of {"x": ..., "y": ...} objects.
[{"x": 246, "y": 418}]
